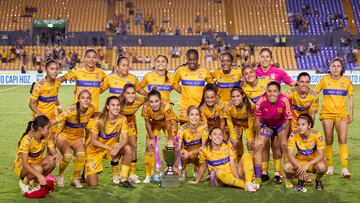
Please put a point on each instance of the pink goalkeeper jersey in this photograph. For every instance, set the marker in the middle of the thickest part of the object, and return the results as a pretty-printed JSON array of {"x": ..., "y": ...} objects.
[
  {"x": 276, "y": 74},
  {"x": 273, "y": 114}
]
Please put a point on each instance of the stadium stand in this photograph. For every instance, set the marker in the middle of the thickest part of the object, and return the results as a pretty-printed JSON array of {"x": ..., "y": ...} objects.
[{"x": 356, "y": 9}]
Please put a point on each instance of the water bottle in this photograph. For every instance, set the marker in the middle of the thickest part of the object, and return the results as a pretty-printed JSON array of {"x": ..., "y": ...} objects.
[{"x": 212, "y": 179}]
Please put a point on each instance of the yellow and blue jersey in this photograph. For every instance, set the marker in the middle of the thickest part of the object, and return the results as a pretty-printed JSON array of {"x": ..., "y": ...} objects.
[
  {"x": 192, "y": 141},
  {"x": 116, "y": 84},
  {"x": 218, "y": 159},
  {"x": 306, "y": 148},
  {"x": 225, "y": 82},
  {"x": 87, "y": 80},
  {"x": 254, "y": 93},
  {"x": 46, "y": 96},
  {"x": 212, "y": 116},
  {"x": 153, "y": 80},
  {"x": 165, "y": 112}
]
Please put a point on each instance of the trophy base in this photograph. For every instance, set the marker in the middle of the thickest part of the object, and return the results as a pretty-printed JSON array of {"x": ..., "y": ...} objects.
[{"x": 168, "y": 181}]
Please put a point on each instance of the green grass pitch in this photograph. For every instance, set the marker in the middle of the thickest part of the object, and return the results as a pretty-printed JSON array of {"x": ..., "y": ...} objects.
[{"x": 15, "y": 113}]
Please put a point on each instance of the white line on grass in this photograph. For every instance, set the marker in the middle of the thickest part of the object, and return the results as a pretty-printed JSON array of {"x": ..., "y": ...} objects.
[{"x": 10, "y": 88}]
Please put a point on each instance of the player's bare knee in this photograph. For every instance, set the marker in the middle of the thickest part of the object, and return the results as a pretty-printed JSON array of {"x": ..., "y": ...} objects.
[
  {"x": 287, "y": 167},
  {"x": 321, "y": 167}
]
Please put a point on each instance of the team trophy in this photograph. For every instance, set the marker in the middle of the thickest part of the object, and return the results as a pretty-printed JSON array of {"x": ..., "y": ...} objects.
[{"x": 169, "y": 179}]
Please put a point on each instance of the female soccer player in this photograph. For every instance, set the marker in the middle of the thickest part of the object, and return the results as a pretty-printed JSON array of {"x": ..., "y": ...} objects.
[
  {"x": 31, "y": 162},
  {"x": 70, "y": 141},
  {"x": 115, "y": 82},
  {"x": 336, "y": 88},
  {"x": 44, "y": 95},
  {"x": 108, "y": 140},
  {"x": 227, "y": 77},
  {"x": 273, "y": 114},
  {"x": 254, "y": 88},
  {"x": 192, "y": 137},
  {"x": 303, "y": 99},
  {"x": 265, "y": 68},
  {"x": 130, "y": 103},
  {"x": 237, "y": 113},
  {"x": 193, "y": 79},
  {"x": 160, "y": 78},
  {"x": 310, "y": 154},
  {"x": 158, "y": 115},
  {"x": 220, "y": 159},
  {"x": 211, "y": 109},
  {"x": 88, "y": 77}
]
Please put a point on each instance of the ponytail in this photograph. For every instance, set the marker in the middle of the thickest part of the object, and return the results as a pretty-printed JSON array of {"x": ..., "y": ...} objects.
[
  {"x": 78, "y": 112},
  {"x": 32, "y": 87},
  {"x": 39, "y": 122}
]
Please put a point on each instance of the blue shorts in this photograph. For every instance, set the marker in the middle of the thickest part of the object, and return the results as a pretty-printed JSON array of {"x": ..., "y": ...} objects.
[{"x": 269, "y": 131}]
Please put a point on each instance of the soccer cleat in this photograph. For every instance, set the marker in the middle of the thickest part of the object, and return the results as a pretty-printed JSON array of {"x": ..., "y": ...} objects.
[
  {"x": 257, "y": 181},
  {"x": 300, "y": 186},
  {"x": 134, "y": 179},
  {"x": 116, "y": 179},
  {"x": 23, "y": 187},
  {"x": 265, "y": 177},
  {"x": 319, "y": 185},
  {"x": 288, "y": 184},
  {"x": 250, "y": 187},
  {"x": 330, "y": 170},
  {"x": 39, "y": 191},
  {"x": 60, "y": 181},
  {"x": 345, "y": 173},
  {"x": 125, "y": 184},
  {"x": 277, "y": 179},
  {"x": 147, "y": 179},
  {"x": 77, "y": 184}
]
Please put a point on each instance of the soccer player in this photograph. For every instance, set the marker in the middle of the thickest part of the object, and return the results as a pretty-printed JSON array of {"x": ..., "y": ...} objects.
[
  {"x": 310, "y": 154},
  {"x": 108, "y": 140},
  {"x": 220, "y": 158},
  {"x": 70, "y": 140},
  {"x": 211, "y": 109},
  {"x": 160, "y": 78},
  {"x": 303, "y": 99},
  {"x": 266, "y": 69},
  {"x": 115, "y": 81},
  {"x": 88, "y": 77},
  {"x": 254, "y": 88},
  {"x": 227, "y": 77},
  {"x": 192, "y": 137},
  {"x": 273, "y": 114},
  {"x": 130, "y": 103},
  {"x": 44, "y": 95},
  {"x": 237, "y": 113},
  {"x": 31, "y": 163},
  {"x": 158, "y": 115},
  {"x": 193, "y": 79},
  {"x": 336, "y": 88}
]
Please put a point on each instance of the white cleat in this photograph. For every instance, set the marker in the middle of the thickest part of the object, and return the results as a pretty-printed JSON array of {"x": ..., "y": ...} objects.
[
  {"x": 116, "y": 180},
  {"x": 134, "y": 179},
  {"x": 330, "y": 170},
  {"x": 345, "y": 173},
  {"x": 250, "y": 187},
  {"x": 23, "y": 187},
  {"x": 147, "y": 179}
]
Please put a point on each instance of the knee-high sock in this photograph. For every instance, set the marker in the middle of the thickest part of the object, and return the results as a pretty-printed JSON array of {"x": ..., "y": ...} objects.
[
  {"x": 329, "y": 155},
  {"x": 257, "y": 171},
  {"x": 265, "y": 167},
  {"x": 344, "y": 155},
  {"x": 64, "y": 163},
  {"x": 248, "y": 167},
  {"x": 277, "y": 165},
  {"x": 124, "y": 172},
  {"x": 115, "y": 168},
  {"x": 148, "y": 164},
  {"x": 79, "y": 163},
  {"x": 133, "y": 167},
  {"x": 229, "y": 179}
]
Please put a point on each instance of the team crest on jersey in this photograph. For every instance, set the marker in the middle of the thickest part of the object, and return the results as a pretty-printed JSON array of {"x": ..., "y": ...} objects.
[
  {"x": 262, "y": 88},
  {"x": 226, "y": 151},
  {"x": 84, "y": 75},
  {"x": 272, "y": 76},
  {"x": 116, "y": 83},
  {"x": 97, "y": 75},
  {"x": 233, "y": 77},
  {"x": 342, "y": 85},
  {"x": 280, "y": 110},
  {"x": 200, "y": 75},
  {"x": 307, "y": 103},
  {"x": 320, "y": 138},
  {"x": 311, "y": 144}
]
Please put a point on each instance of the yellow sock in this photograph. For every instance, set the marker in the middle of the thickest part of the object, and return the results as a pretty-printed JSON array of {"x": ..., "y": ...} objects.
[
  {"x": 147, "y": 161},
  {"x": 133, "y": 168},
  {"x": 79, "y": 163},
  {"x": 25, "y": 181},
  {"x": 265, "y": 167},
  {"x": 153, "y": 160},
  {"x": 115, "y": 170},
  {"x": 229, "y": 179},
  {"x": 64, "y": 163},
  {"x": 248, "y": 167},
  {"x": 277, "y": 165},
  {"x": 124, "y": 172},
  {"x": 329, "y": 155},
  {"x": 344, "y": 155}
]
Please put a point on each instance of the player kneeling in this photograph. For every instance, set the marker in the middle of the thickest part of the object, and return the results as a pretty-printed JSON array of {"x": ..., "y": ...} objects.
[
  {"x": 310, "y": 154},
  {"x": 220, "y": 159},
  {"x": 31, "y": 164},
  {"x": 109, "y": 141}
]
